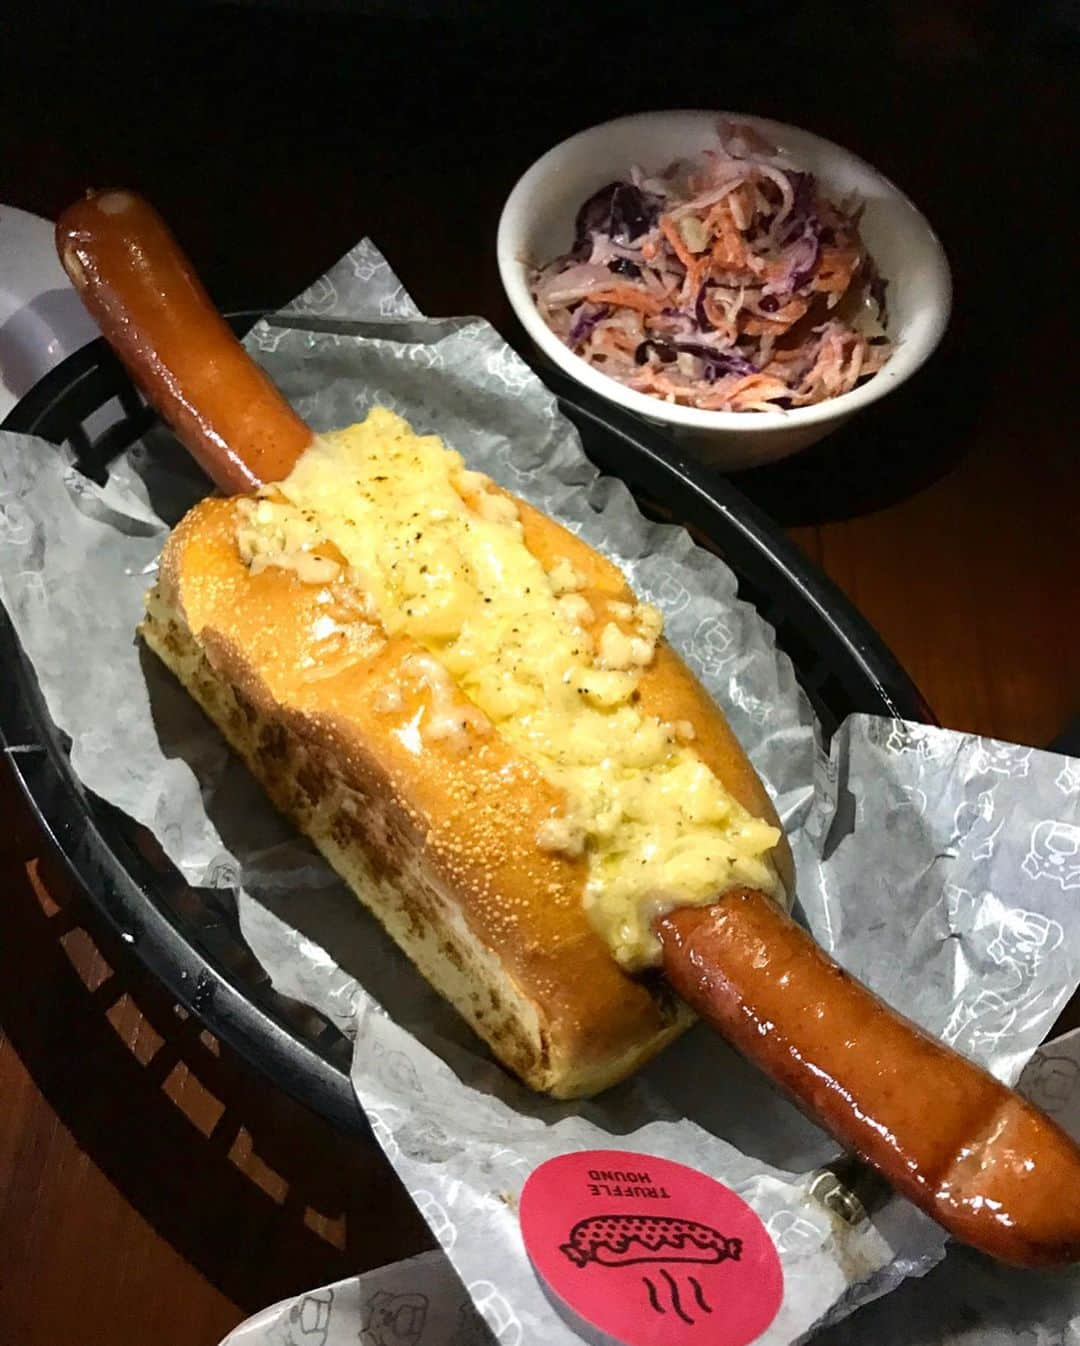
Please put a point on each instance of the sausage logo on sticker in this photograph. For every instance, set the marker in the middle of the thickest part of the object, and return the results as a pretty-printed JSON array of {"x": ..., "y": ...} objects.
[{"x": 649, "y": 1252}]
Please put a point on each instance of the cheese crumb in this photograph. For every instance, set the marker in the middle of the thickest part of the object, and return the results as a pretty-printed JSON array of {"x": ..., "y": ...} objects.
[
  {"x": 564, "y": 578},
  {"x": 471, "y": 483},
  {"x": 564, "y": 835},
  {"x": 615, "y": 649},
  {"x": 496, "y": 508},
  {"x": 641, "y": 651},
  {"x": 275, "y": 535},
  {"x": 649, "y": 621},
  {"x": 605, "y": 688},
  {"x": 450, "y": 716},
  {"x": 480, "y": 494},
  {"x": 575, "y": 608}
]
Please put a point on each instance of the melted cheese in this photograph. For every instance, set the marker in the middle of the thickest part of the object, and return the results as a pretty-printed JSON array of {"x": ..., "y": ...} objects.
[{"x": 438, "y": 552}]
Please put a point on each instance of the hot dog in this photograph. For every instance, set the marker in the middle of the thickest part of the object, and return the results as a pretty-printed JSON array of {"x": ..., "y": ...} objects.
[
  {"x": 946, "y": 1134},
  {"x": 142, "y": 291},
  {"x": 969, "y": 1151},
  {"x": 436, "y": 824}
]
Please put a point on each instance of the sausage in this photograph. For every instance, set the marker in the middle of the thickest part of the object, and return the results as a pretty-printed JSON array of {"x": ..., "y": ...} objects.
[
  {"x": 979, "y": 1159},
  {"x": 147, "y": 300}
]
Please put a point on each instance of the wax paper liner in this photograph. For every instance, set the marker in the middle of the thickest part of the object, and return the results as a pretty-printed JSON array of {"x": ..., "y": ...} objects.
[{"x": 941, "y": 868}]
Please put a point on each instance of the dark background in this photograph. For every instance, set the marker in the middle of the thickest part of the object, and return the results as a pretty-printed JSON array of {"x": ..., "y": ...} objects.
[
  {"x": 152, "y": 1188},
  {"x": 273, "y": 135}
]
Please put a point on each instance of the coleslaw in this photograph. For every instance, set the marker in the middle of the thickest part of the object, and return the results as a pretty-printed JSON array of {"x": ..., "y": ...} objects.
[{"x": 728, "y": 282}]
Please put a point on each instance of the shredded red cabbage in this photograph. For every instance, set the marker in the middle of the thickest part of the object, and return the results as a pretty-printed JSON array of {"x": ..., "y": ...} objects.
[
  {"x": 728, "y": 282},
  {"x": 585, "y": 319},
  {"x": 619, "y": 211}
]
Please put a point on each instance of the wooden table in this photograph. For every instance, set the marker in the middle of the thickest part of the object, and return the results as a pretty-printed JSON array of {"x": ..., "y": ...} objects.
[{"x": 152, "y": 1189}]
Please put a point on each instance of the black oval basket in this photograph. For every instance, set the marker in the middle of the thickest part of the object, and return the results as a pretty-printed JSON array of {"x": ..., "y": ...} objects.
[{"x": 189, "y": 937}]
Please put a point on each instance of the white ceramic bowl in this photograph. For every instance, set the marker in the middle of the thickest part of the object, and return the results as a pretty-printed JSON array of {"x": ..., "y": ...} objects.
[{"x": 537, "y": 224}]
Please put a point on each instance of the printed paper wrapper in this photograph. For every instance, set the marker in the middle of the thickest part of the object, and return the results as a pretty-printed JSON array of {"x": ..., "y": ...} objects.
[{"x": 966, "y": 1300}]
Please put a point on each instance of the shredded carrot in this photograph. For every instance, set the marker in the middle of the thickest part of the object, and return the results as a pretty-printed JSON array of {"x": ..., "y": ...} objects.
[
  {"x": 670, "y": 230},
  {"x": 695, "y": 278},
  {"x": 776, "y": 323},
  {"x": 628, "y": 297},
  {"x": 837, "y": 267}
]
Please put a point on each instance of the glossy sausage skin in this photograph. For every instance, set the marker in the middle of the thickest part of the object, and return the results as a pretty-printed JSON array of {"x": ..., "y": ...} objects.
[
  {"x": 994, "y": 1171},
  {"x": 147, "y": 300}
]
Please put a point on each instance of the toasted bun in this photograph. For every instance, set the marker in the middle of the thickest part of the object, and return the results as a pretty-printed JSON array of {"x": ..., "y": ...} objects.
[{"x": 439, "y": 844}]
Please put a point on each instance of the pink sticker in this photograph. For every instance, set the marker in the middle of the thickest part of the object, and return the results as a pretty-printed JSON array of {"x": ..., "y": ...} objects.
[{"x": 650, "y": 1252}]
